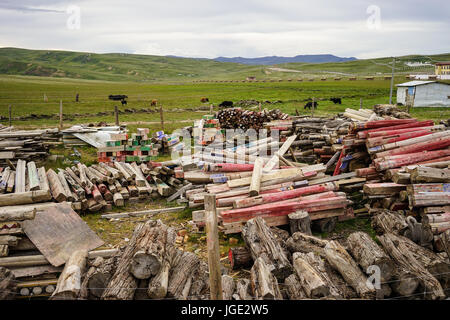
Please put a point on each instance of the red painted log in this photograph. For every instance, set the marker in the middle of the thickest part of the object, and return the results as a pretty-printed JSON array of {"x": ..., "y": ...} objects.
[
  {"x": 427, "y": 123},
  {"x": 96, "y": 194},
  {"x": 411, "y": 158},
  {"x": 379, "y": 141},
  {"x": 286, "y": 208},
  {"x": 229, "y": 167},
  {"x": 382, "y": 123},
  {"x": 102, "y": 188},
  {"x": 338, "y": 164},
  {"x": 387, "y": 133},
  {"x": 284, "y": 195},
  {"x": 364, "y": 172},
  {"x": 435, "y": 144}
]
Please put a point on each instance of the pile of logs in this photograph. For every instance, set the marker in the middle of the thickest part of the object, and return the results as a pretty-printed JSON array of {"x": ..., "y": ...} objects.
[
  {"x": 237, "y": 118},
  {"x": 93, "y": 188},
  {"x": 300, "y": 266},
  {"x": 384, "y": 110},
  {"x": 30, "y": 145}
]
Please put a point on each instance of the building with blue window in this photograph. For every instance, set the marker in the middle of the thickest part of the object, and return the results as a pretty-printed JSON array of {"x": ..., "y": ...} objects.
[{"x": 424, "y": 94}]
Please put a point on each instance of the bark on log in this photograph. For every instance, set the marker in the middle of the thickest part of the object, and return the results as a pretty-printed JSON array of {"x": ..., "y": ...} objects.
[
  {"x": 398, "y": 249},
  {"x": 56, "y": 187},
  {"x": 404, "y": 283},
  {"x": 300, "y": 221},
  {"x": 157, "y": 287},
  {"x": 151, "y": 237},
  {"x": 27, "y": 214},
  {"x": 69, "y": 282},
  {"x": 340, "y": 260},
  {"x": 367, "y": 253},
  {"x": 264, "y": 284},
  {"x": 243, "y": 289},
  {"x": 8, "y": 284},
  {"x": 228, "y": 287},
  {"x": 300, "y": 242},
  {"x": 98, "y": 276},
  {"x": 389, "y": 222},
  {"x": 294, "y": 289},
  {"x": 144, "y": 265},
  {"x": 262, "y": 244},
  {"x": 12, "y": 199},
  {"x": 310, "y": 280}
]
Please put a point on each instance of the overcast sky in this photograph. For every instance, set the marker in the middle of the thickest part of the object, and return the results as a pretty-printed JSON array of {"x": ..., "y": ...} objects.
[{"x": 211, "y": 28}]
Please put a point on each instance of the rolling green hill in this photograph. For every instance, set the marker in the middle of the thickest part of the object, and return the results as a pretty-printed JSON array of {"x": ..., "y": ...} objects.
[{"x": 147, "y": 68}]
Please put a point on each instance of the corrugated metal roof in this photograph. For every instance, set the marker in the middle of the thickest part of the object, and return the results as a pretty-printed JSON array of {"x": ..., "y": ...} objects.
[{"x": 414, "y": 83}]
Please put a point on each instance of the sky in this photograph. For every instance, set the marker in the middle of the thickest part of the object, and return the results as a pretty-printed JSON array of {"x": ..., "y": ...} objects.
[{"x": 246, "y": 28}]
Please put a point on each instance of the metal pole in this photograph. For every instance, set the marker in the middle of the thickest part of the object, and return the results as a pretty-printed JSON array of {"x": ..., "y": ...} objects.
[{"x": 392, "y": 80}]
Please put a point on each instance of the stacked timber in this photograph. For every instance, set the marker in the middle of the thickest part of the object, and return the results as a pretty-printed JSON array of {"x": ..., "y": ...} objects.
[
  {"x": 302, "y": 266},
  {"x": 237, "y": 118},
  {"x": 30, "y": 145}
]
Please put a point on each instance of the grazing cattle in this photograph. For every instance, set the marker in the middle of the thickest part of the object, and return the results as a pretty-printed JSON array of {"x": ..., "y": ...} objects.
[
  {"x": 124, "y": 102},
  {"x": 154, "y": 103},
  {"x": 203, "y": 100},
  {"x": 310, "y": 104},
  {"x": 336, "y": 100},
  {"x": 118, "y": 97},
  {"x": 226, "y": 104}
]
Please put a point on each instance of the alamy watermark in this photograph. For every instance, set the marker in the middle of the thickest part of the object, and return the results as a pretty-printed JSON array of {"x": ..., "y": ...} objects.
[
  {"x": 73, "y": 22},
  {"x": 374, "y": 20}
]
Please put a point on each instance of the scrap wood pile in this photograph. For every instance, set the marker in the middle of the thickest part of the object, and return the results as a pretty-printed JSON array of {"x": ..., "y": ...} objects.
[
  {"x": 297, "y": 265},
  {"x": 35, "y": 242},
  {"x": 94, "y": 188},
  {"x": 31, "y": 145},
  {"x": 150, "y": 266},
  {"x": 237, "y": 118}
]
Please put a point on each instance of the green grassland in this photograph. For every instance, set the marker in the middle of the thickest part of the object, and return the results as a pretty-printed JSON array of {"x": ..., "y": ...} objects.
[
  {"x": 147, "y": 68},
  {"x": 25, "y": 94}
]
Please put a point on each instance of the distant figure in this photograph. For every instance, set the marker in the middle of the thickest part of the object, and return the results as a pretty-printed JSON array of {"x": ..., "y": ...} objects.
[
  {"x": 336, "y": 100},
  {"x": 154, "y": 103},
  {"x": 77, "y": 97},
  {"x": 226, "y": 104},
  {"x": 45, "y": 98},
  {"x": 310, "y": 105},
  {"x": 203, "y": 100}
]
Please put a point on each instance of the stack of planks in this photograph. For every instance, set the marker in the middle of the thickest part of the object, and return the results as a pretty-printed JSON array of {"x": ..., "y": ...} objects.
[
  {"x": 93, "y": 188},
  {"x": 30, "y": 145},
  {"x": 300, "y": 266}
]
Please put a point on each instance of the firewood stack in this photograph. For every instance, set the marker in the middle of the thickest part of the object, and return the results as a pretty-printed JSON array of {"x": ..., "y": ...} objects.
[
  {"x": 32, "y": 145},
  {"x": 237, "y": 118},
  {"x": 300, "y": 266}
]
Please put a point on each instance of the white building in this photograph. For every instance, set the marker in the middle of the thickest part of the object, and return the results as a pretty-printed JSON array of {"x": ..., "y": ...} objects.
[{"x": 424, "y": 94}]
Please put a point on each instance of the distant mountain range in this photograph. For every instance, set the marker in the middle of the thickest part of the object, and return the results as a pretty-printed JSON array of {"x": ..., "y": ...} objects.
[{"x": 271, "y": 60}]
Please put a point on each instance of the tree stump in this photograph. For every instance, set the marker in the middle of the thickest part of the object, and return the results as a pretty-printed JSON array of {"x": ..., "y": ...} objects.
[
  {"x": 262, "y": 244},
  {"x": 69, "y": 282},
  {"x": 300, "y": 221}
]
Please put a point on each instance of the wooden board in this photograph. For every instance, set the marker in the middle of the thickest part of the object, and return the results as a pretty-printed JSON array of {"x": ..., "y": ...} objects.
[{"x": 58, "y": 231}]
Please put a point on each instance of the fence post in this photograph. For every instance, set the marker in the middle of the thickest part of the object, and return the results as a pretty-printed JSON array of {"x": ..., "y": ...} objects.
[
  {"x": 161, "y": 115},
  {"x": 10, "y": 112},
  {"x": 312, "y": 108},
  {"x": 212, "y": 240},
  {"x": 116, "y": 115},
  {"x": 360, "y": 103},
  {"x": 60, "y": 115}
]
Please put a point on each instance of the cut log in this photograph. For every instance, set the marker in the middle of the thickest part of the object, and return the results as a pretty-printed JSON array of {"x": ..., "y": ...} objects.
[
  {"x": 341, "y": 261},
  {"x": 20, "y": 176},
  {"x": 56, "y": 186},
  {"x": 398, "y": 248},
  {"x": 300, "y": 242},
  {"x": 69, "y": 282},
  {"x": 228, "y": 287},
  {"x": 240, "y": 257},
  {"x": 264, "y": 284},
  {"x": 27, "y": 214},
  {"x": 310, "y": 280},
  {"x": 367, "y": 253},
  {"x": 404, "y": 283},
  {"x": 262, "y": 244},
  {"x": 425, "y": 175},
  {"x": 256, "y": 177},
  {"x": 151, "y": 237},
  {"x": 4, "y": 250},
  {"x": 11, "y": 199},
  {"x": 118, "y": 199},
  {"x": 294, "y": 289},
  {"x": 243, "y": 290},
  {"x": 300, "y": 221},
  {"x": 33, "y": 178},
  {"x": 8, "y": 284},
  {"x": 157, "y": 287},
  {"x": 389, "y": 222},
  {"x": 9, "y": 240},
  {"x": 43, "y": 181},
  {"x": 144, "y": 265}
]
